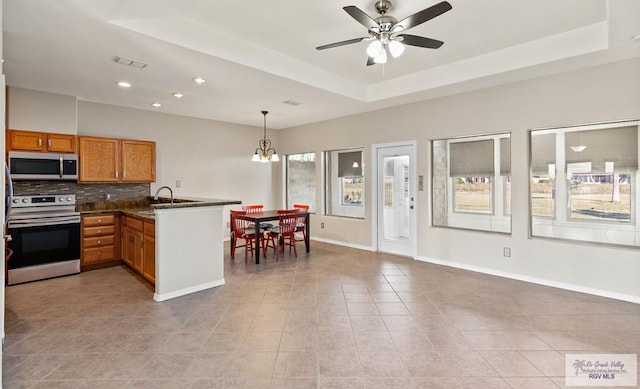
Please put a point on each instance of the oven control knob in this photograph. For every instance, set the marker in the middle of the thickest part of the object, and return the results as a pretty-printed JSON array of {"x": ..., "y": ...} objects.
[
  {"x": 68, "y": 198},
  {"x": 16, "y": 201},
  {"x": 25, "y": 200}
]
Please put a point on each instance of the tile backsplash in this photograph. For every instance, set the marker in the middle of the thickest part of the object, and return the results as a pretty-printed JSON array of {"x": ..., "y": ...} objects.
[{"x": 85, "y": 193}]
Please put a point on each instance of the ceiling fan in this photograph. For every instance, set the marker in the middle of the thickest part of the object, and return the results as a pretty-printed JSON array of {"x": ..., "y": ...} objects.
[{"x": 384, "y": 31}]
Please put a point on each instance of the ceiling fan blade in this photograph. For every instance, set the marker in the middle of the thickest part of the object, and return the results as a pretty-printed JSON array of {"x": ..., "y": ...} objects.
[
  {"x": 342, "y": 43},
  {"x": 370, "y": 61},
  {"x": 424, "y": 15},
  {"x": 361, "y": 17},
  {"x": 420, "y": 41}
]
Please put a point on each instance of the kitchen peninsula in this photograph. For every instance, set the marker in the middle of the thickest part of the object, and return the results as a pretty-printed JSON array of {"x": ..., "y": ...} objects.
[{"x": 189, "y": 234}]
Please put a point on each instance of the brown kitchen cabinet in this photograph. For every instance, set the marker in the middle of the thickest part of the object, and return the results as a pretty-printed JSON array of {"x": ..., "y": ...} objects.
[
  {"x": 138, "y": 161},
  {"x": 138, "y": 246},
  {"x": 116, "y": 160},
  {"x": 99, "y": 159},
  {"x": 19, "y": 140},
  {"x": 149, "y": 267},
  {"x": 99, "y": 239}
]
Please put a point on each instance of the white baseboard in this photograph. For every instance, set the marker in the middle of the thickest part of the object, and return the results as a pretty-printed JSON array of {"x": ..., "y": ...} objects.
[
  {"x": 534, "y": 280},
  {"x": 341, "y": 243},
  {"x": 182, "y": 292}
]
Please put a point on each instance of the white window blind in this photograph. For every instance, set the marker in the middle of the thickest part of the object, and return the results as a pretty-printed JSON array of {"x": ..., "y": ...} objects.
[
  {"x": 505, "y": 156},
  {"x": 471, "y": 159},
  {"x": 610, "y": 149},
  {"x": 543, "y": 152},
  {"x": 350, "y": 164}
]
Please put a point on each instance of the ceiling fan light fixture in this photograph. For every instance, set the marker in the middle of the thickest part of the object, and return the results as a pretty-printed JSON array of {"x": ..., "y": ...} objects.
[
  {"x": 375, "y": 48},
  {"x": 381, "y": 58},
  {"x": 396, "y": 49}
]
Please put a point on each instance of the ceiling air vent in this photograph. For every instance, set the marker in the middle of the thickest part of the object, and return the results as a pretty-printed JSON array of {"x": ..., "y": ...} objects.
[
  {"x": 129, "y": 62},
  {"x": 292, "y": 102}
]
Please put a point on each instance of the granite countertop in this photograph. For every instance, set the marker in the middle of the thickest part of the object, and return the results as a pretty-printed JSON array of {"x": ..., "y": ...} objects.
[{"x": 143, "y": 208}]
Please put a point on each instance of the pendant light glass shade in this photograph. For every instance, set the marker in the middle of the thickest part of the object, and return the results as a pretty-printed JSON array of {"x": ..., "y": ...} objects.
[
  {"x": 396, "y": 49},
  {"x": 381, "y": 58},
  {"x": 375, "y": 48}
]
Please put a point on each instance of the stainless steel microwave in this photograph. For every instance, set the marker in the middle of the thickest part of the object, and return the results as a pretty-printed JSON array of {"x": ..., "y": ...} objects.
[{"x": 42, "y": 166}]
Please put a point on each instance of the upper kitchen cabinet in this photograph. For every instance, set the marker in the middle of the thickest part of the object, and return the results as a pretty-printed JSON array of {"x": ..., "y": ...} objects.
[
  {"x": 41, "y": 141},
  {"x": 99, "y": 159},
  {"x": 138, "y": 161},
  {"x": 116, "y": 160}
]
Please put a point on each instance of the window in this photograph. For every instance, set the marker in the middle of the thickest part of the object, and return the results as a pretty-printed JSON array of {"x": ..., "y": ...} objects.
[
  {"x": 472, "y": 182},
  {"x": 582, "y": 182},
  {"x": 344, "y": 183},
  {"x": 301, "y": 180}
]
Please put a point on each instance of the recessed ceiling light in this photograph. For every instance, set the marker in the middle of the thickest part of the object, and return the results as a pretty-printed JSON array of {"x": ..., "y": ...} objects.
[
  {"x": 199, "y": 80},
  {"x": 157, "y": 105},
  {"x": 177, "y": 95},
  {"x": 124, "y": 84}
]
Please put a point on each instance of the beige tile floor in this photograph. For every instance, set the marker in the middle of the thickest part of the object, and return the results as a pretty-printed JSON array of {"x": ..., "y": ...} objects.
[{"x": 336, "y": 318}]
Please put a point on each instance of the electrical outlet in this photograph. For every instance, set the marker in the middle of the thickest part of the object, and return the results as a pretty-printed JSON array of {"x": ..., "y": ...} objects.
[
  {"x": 322, "y": 225},
  {"x": 178, "y": 183},
  {"x": 107, "y": 196},
  {"x": 507, "y": 252}
]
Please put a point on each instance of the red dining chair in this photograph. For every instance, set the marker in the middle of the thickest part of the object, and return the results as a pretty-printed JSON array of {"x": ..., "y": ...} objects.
[
  {"x": 244, "y": 229},
  {"x": 283, "y": 234},
  {"x": 301, "y": 225},
  {"x": 257, "y": 208}
]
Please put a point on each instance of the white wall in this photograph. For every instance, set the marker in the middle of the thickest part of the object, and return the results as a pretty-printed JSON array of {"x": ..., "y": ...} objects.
[
  {"x": 41, "y": 111},
  {"x": 603, "y": 93}
]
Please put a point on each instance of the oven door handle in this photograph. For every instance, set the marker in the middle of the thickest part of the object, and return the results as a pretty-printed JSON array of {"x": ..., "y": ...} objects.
[{"x": 13, "y": 224}]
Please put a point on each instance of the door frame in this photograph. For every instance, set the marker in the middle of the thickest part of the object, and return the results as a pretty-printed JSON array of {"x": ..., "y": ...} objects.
[{"x": 413, "y": 182}]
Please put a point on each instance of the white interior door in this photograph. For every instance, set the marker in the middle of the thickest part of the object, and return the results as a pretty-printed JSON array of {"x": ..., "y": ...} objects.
[{"x": 396, "y": 199}]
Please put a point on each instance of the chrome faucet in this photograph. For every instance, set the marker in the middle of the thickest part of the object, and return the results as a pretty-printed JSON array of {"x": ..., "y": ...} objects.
[{"x": 155, "y": 197}]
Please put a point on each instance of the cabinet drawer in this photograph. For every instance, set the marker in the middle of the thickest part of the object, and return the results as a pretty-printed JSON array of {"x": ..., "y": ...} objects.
[
  {"x": 98, "y": 255},
  {"x": 102, "y": 220},
  {"x": 98, "y": 241},
  {"x": 88, "y": 232},
  {"x": 150, "y": 229},
  {"x": 135, "y": 224}
]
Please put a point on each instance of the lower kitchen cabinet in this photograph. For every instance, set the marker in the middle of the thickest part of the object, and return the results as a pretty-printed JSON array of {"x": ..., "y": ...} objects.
[
  {"x": 139, "y": 246},
  {"x": 99, "y": 242}
]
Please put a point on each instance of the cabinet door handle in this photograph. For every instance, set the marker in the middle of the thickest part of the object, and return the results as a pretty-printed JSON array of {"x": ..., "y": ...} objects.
[
  {"x": 124, "y": 174},
  {"x": 40, "y": 142},
  {"x": 116, "y": 174},
  {"x": 99, "y": 241},
  {"x": 49, "y": 142}
]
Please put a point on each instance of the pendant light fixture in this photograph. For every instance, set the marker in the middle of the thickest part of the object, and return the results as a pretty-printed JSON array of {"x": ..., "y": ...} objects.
[{"x": 265, "y": 153}]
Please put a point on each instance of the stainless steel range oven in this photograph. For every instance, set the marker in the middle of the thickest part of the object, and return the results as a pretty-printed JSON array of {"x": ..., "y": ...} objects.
[{"x": 45, "y": 238}]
